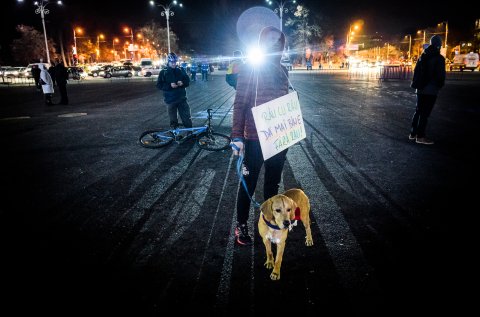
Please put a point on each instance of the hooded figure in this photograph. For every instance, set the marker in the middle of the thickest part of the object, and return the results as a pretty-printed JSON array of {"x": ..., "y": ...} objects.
[
  {"x": 257, "y": 84},
  {"x": 47, "y": 84},
  {"x": 433, "y": 65},
  {"x": 234, "y": 68}
]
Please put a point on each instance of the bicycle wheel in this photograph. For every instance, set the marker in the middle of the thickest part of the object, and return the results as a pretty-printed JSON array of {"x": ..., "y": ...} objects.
[
  {"x": 213, "y": 141},
  {"x": 154, "y": 139}
]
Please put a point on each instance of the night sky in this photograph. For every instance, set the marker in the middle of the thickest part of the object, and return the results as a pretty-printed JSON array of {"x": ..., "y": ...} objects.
[{"x": 209, "y": 26}]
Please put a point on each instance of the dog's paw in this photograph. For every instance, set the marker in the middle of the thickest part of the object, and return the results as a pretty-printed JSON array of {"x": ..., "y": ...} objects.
[
  {"x": 275, "y": 276},
  {"x": 269, "y": 264},
  {"x": 308, "y": 242}
]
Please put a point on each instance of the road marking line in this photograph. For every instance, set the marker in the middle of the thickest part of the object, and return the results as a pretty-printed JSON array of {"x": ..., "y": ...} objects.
[
  {"x": 72, "y": 115},
  {"x": 16, "y": 118},
  {"x": 354, "y": 272}
]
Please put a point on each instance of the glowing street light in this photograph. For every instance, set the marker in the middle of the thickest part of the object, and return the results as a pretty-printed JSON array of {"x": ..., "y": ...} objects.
[
  {"x": 446, "y": 33},
  {"x": 115, "y": 40},
  {"x": 42, "y": 11},
  {"x": 424, "y": 35},
  {"x": 167, "y": 13},
  {"x": 280, "y": 9}
]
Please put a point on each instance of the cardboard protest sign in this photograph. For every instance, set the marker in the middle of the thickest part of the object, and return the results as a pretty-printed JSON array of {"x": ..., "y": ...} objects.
[{"x": 279, "y": 124}]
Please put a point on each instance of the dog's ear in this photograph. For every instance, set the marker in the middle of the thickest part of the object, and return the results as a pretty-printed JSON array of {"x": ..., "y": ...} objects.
[
  {"x": 266, "y": 209},
  {"x": 293, "y": 211}
]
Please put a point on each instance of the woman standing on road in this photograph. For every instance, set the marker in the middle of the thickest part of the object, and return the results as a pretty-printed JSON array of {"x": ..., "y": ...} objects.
[
  {"x": 257, "y": 85},
  {"x": 47, "y": 85}
]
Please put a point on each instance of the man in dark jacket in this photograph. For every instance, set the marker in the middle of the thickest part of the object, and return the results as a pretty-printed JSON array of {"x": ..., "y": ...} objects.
[
  {"x": 426, "y": 96},
  {"x": 36, "y": 75},
  {"x": 61, "y": 75},
  {"x": 172, "y": 81},
  {"x": 51, "y": 71}
]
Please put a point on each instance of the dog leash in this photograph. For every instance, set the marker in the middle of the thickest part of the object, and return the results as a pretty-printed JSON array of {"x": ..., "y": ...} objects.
[{"x": 240, "y": 175}]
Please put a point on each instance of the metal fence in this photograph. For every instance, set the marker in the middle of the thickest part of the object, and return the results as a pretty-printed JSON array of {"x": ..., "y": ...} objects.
[{"x": 16, "y": 81}]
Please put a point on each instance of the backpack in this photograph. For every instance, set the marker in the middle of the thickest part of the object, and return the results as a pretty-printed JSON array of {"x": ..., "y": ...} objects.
[
  {"x": 420, "y": 74},
  {"x": 232, "y": 74},
  {"x": 231, "y": 79}
]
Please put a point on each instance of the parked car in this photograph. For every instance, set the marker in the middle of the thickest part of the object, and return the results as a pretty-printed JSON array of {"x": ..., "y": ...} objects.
[
  {"x": 76, "y": 73},
  {"x": 119, "y": 71},
  {"x": 151, "y": 70},
  {"x": 137, "y": 70},
  {"x": 28, "y": 71},
  {"x": 100, "y": 71},
  {"x": 13, "y": 72},
  {"x": 286, "y": 62}
]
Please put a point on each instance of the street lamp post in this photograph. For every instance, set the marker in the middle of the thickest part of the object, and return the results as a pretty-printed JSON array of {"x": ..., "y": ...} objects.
[
  {"x": 424, "y": 39},
  {"x": 42, "y": 11},
  {"x": 167, "y": 13},
  {"x": 446, "y": 33},
  {"x": 280, "y": 10},
  {"x": 98, "y": 45},
  {"x": 115, "y": 40},
  {"x": 133, "y": 44},
  {"x": 350, "y": 34},
  {"x": 409, "y": 45},
  {"x": 75, "y": 41},
  {"x": 75, "y": 49}
]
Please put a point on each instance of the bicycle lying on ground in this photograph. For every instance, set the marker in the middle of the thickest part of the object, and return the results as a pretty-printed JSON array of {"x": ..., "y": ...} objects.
[{"x": 206, "y": 139}]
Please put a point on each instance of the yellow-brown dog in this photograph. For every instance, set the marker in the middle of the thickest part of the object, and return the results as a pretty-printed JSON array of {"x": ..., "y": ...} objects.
[{"x": 277, "y": 215}]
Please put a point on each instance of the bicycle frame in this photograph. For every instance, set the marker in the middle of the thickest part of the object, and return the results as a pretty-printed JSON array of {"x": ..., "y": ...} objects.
[
  {"x": 205, "y": 137},
  {"x": 194, "y": 130}
]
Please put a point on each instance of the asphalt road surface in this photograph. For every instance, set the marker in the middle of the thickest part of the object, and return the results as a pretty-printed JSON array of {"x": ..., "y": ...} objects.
[{"x": 94, "y": 224}]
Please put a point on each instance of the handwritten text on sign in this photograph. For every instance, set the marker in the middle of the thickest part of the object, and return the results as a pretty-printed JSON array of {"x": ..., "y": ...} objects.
[{"x": 279, "y": 124}]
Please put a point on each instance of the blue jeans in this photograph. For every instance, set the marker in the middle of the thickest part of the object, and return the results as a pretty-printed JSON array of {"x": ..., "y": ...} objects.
[
  {"x": 183, "y": 110},
  {"x": 253, "y": 161}
]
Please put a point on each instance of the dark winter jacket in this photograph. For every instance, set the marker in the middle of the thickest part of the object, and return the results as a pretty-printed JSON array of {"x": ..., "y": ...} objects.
[
  {"x": 61, "y": 74},
  {"x": 173, "y": 75},
  {"x": 435, "y": 69},
  {"x": 272, "y": 80},
  {"x": 259, "y": 84}
]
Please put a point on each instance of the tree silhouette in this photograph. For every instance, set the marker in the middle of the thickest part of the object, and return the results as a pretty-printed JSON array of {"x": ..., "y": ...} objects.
[{"x": 30, "y": 47}]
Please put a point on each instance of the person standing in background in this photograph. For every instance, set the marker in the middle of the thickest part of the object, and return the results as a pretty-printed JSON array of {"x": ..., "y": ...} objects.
[
  {"x": 61, "y": 75},
  {"x": 205, "y": 69},
  {"x": 426, "y": 97},
  {"x": 193, "y": 71},
  {"x": 36, "y": 75},
  {"x": 51, "y": 71},
  {"x": 172, "y": 81},
  {"x": 47, "y": 85},
  {"x": 234, "y": 68}
]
